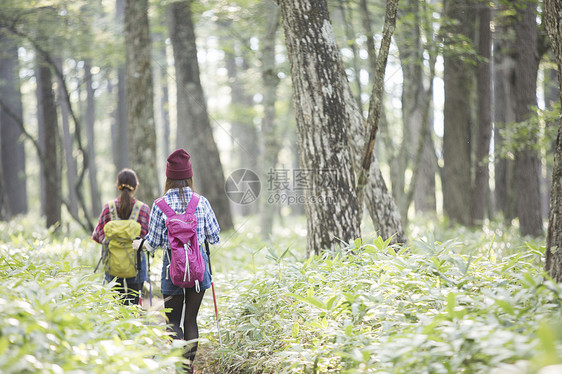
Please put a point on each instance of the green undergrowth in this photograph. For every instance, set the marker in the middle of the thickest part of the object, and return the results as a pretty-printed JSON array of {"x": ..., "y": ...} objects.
[
  {"x": 455, "y": 300},
  {"x": 58, "y": 318},
  {"x": 434, "y": 307}
]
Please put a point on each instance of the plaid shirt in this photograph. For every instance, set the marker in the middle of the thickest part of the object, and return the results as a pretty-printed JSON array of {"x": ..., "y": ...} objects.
[
  {"x": 98, "y": 235},
  {"x": 207, "y": 225}
]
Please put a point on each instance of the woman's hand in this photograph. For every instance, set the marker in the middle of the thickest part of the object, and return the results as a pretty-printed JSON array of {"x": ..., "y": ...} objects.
[{"x": 137, "y": 243}]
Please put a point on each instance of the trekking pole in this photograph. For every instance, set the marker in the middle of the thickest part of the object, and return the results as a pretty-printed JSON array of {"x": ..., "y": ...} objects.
[
  {"x": 147, "y": 270},
  {"x": 148, "y": 275},
  {"x": 213, "y": 289}
]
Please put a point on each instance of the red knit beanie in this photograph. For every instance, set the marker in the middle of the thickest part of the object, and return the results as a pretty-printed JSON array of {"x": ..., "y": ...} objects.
[{"x": 179, "y": 166}]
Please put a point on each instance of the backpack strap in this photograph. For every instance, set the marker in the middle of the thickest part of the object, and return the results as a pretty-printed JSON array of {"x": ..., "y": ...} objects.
[
  {"x": 164, "y": 207},
  {"x": 113, "y": 210},
  {"x": 192, "y": 204},
  {"x": 169, "y": 212},
  {"x": 135, "y": 211}
]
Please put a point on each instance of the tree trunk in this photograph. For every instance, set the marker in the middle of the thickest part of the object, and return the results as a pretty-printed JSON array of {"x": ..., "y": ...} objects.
[
  {"x": 344, "y": 12},
  {"x": 140, "y": 106},
  {"x": 527, "y": 164},
  {"x": 504, "y": 112},
  {"x": 413, "y": 97},
  {"x": 332, "y": 208},
  {"x": 481, "y": 185},
  {"x": 4, "y": 208},
  {"x": 553, "y": 9},
  {"x": 241, "y": 101},
  {"x": 90, "y": 123},
  {"x": 378, "y": 200},
  {"x": 385, "y": 138},
  {"x": 457, "y": 120},
  {"x": 194, "y": 128},
  {"x": 11, "y": 137},
  {"x": 120, "y": 139},
  {"x": 415, "y": 100},
  {"x": 296, "y": 209},
  {"x": 51, "y": 172},
  {"x": 269, "y": 128},
  {"x": 424, "y": 190},
  {"x": 67, "y": 138},
  {"x": 161, "y": 92},
  {"x": 551, "y": 93}
]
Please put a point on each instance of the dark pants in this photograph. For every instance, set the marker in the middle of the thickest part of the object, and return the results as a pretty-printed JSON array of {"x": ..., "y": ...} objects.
[
  {"x": 189, "y": 330},
  {"x": 129, "y": 294}
]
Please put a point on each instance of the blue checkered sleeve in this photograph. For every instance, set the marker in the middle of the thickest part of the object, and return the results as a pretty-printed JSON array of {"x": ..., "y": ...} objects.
[
  {"x": 156, "y": 228},
  {"x": 211, "y": 227}
]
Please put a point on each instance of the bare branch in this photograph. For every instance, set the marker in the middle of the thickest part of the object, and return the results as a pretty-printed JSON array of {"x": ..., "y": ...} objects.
[
  {"x": 375, "y": 104},
  {"x": 87, "y": 226}
]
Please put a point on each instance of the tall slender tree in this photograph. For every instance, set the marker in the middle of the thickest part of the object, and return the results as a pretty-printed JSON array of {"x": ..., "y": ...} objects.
[
  {"x": 527, "y": 166},
  {"x": 504, "y": 46},
  {"x": 194, "y": 127},
  {"x": 90, "y": 136},
  {"x": 11, "y": 137},
  {"x": 51, "y": 169},
  {"x": 119, "y": 131},
  {"x": 481, "y": 185},
  {"x": 457, "y": 78},
  {"x": 244, "y": 132},
  {"x": 140, "y": 107},
  {"x": 371, "y": 187},
  {"x": 322, "y": 126},
  {"x": 270, "y": 128},
  {"x": 411, "y": 51},
  {"x": 161, "y": 74},
  {"x": 4, "y": 209},
  {"x": 416, "y": 150},
  {"x": 553, "y": 9},
  {"x": 67, "y": 143}
]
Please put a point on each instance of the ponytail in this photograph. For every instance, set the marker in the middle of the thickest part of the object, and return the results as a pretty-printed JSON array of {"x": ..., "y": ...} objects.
[
  {"x": 126, "y": 204},
  {"x": 126, "y": 183}
]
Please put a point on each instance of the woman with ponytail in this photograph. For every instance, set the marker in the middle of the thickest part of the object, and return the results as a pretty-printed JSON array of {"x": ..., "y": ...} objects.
[{"x": 127, "y": 183}]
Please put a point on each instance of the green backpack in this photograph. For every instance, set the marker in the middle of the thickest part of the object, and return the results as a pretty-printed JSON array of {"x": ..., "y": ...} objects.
[{"x": 119, "y": 257}]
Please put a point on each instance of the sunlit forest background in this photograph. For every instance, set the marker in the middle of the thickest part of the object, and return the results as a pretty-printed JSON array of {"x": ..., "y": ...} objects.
[{"x": 245, "y": 85}]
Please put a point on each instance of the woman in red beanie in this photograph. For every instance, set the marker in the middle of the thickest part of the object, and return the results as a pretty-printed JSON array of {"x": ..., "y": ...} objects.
[
  {"x": 124, "y": 207},
  {"x": 183, "y": 303}
]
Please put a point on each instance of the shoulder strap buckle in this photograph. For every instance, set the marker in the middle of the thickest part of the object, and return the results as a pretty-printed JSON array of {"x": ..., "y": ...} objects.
[{"x": 113, "y": 210}]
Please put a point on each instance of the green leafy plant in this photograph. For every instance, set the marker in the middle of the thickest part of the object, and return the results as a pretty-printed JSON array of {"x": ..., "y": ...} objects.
[
  {"x": 58, "y": 317},
  {"x": 431, "y": 308}
]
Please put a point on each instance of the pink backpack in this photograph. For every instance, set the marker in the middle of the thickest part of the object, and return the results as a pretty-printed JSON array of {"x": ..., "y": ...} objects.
[{"x": 187, "y": 266}]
